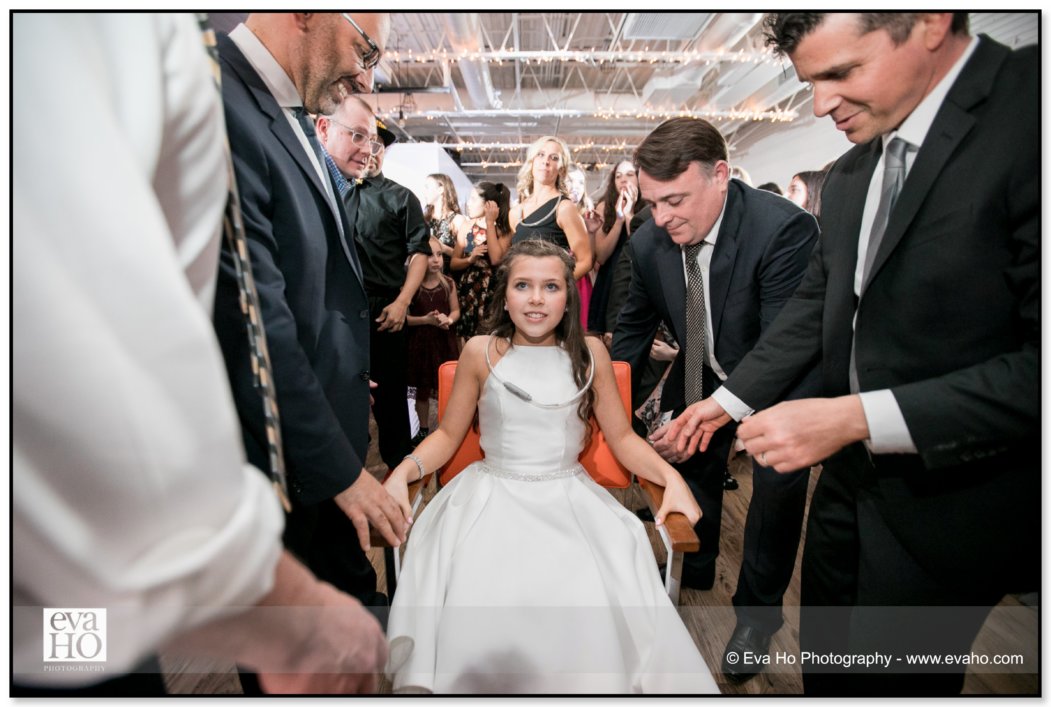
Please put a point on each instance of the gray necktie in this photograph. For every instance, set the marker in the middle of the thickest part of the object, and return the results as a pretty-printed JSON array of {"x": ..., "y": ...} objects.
[
  {"x": 696, "y": 327},
  {"x": 893, "y": 179}
]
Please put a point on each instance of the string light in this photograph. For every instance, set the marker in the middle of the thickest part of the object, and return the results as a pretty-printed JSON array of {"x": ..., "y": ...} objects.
[
  {"x": 642, "y": 114},
  {"x": 548, "y": 56}
]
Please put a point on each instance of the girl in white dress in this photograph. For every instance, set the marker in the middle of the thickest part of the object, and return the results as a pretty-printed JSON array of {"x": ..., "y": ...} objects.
[{"x": 523, "y": 575}]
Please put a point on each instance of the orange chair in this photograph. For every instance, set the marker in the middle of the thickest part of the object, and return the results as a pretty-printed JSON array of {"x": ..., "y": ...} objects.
[{"x": 597, "y": 459}]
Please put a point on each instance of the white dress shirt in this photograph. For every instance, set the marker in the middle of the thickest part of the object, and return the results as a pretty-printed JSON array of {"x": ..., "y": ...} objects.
[{"x": 130, "y": 490}]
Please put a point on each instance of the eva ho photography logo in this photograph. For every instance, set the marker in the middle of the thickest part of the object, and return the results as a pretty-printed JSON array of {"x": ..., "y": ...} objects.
[{"x": 74, "y": 635}]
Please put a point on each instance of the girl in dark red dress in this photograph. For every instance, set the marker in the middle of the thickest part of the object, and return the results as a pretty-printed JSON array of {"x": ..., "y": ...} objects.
[{"x": 432, "y": 339}]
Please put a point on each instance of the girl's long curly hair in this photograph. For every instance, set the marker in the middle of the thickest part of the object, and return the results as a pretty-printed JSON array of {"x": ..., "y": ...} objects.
[{"x": 568, "y": 333}]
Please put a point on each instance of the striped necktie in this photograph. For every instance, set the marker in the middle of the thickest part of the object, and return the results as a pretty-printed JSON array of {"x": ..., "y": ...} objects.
[{"x": 237, "y": 244}]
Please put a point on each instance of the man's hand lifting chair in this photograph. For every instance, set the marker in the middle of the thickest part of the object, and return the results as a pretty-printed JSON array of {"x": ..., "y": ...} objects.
[{"x": 597, "y": 459}]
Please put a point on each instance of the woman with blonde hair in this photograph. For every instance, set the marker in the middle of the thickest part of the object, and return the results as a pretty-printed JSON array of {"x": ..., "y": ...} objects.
[{"x": 545, "y": 210}]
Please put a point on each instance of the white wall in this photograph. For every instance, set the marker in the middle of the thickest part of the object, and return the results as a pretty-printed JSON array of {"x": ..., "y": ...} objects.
[
  {"x": 806, "y": 144},
  {"x": 409, "y": 164}
]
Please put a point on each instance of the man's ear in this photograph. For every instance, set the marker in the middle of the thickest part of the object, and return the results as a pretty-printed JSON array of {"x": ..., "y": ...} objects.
[
  {"x": 321, "y": 127},
  {"x": 721, "y": 171},
  {"x": 935, "y": 27}
]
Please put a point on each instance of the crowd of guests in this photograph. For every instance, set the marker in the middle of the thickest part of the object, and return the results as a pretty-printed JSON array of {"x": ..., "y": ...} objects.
[{"x": 265, "y": 288}]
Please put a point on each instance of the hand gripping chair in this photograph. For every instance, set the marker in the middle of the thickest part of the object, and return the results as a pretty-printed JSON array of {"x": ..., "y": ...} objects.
[{"x": 597, "y": 459}]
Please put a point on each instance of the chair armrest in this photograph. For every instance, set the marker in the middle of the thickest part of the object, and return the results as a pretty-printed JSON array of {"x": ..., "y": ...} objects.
[
  {"x": 415, "y": 488},
  {"x": 680, "y": 531}
]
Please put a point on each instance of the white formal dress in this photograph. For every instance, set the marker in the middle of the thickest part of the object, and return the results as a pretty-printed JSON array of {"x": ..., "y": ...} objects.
[{"x": 524, "y": 576}]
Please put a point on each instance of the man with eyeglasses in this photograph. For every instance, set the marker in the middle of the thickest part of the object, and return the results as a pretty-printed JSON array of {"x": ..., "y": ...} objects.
[
  {"x": 388, "y": 229},
  {"x": 277, "y": 68}
]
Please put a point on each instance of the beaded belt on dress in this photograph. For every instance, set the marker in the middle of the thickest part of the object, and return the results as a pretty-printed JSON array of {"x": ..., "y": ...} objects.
[{"x": 547, "y": 476}]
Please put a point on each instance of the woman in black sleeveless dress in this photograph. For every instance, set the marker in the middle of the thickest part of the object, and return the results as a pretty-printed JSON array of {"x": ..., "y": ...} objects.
[{"x": 545, "y": 210}]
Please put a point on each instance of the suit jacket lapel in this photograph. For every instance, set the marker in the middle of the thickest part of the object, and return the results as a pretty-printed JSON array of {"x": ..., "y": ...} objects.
[
  {"x": 281, "y": 129},
  {"x": 948, "y": 130},
  {"x": 349, "y": 214},
  {"x": 723, "y": 257},
  {"x": 857, "y": 178},
  {"x": 668, "y": 260},
  {"x": 268, "y": 105}
]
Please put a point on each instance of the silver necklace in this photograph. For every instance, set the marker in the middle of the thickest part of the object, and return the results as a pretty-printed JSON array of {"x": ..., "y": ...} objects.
[{"x": 518, "y": 392}]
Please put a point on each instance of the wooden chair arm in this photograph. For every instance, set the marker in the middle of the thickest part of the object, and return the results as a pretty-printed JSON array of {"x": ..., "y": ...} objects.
[
  {"x": 415, "y": 488},
  {"x": 680, "y": 531}
]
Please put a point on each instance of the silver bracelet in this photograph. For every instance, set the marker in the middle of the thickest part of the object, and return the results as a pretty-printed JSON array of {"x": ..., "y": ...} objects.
[{"x": 419, "y": 464}]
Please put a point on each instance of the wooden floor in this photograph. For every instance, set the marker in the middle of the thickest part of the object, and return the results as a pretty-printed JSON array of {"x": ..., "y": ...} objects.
[{"x": 710, "y": 619}]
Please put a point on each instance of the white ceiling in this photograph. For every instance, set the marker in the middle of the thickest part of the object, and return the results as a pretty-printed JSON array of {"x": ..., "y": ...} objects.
[
  {"x": 601, "y": 81},
  {"x": 491, "y": 83}
]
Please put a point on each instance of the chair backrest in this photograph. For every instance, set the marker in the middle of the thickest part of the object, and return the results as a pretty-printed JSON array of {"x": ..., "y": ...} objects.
[{"x": 597, "y": 458}]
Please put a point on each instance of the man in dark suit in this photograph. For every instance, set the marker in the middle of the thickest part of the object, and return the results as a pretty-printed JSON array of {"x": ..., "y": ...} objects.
[
  {"x": 309, "y": 279},
  {"x": 388, "y": 231},
  {"x": 927, "y": 324},
  {"x": 748, "y": 250}
]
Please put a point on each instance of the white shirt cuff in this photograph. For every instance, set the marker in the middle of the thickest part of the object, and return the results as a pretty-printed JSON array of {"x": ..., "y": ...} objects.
[
  {"x": 888, "y": 433},
  {"x": 733, "y": 405}
]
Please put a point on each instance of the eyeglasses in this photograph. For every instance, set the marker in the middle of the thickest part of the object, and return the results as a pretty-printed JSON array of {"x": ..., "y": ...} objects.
[
  {"x": 360, "y": 139},
  {"x": 371, "y": 58}
]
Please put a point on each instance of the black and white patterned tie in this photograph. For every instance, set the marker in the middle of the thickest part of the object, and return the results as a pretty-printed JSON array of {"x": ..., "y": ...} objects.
[
  {"x": 696, "y": 354},
  {"x": 236, "y": 242}
]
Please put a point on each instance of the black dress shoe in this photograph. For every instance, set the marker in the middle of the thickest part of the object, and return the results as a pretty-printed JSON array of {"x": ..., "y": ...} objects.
[
  {"x": 745, "y": 653},
  {"x": 729, "y": 482}
]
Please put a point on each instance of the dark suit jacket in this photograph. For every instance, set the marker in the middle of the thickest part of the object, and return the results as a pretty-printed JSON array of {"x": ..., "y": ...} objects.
[
  {"x": 759, "y": 258},
  {"x": 949, "y": 322},
  {"x": 313, "y": 300}
]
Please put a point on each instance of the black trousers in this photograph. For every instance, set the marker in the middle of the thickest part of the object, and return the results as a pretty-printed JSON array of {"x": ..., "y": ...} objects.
[
  {"x": 389, "y": 360},
  {"x": 863, "y": 593},
  {"x": 771, "y": 540},
  {"x": 703, "y": 473}
]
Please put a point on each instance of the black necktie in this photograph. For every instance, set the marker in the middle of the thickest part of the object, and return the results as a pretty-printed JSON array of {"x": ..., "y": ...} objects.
[
  {"x": 261, "y": 368},
  {"x": 696, "y": 354}
]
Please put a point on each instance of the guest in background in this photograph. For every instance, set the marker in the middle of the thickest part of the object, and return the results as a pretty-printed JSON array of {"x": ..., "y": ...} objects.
[
  {"x": 432, "y": 335},
  {"x": 616, "y": 210},
  {"x": 578, "y": 192},
  {"x": 545, "y": 210},
  {"x": 480, "y": 246},
  {"x": 805, "y": 190},
  {"x": 771, "y": 187},
  {"x": 391, "y": 240},
  {"x": 738, "y": 172},
  {"x": 441, "y": 211}
]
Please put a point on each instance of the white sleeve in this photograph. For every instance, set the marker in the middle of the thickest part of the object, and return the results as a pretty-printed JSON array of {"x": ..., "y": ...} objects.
[
  {"x": 734, "y": 406},
  {"x": 130, "y": 489},
  {"x": 888, "y": 433}
]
